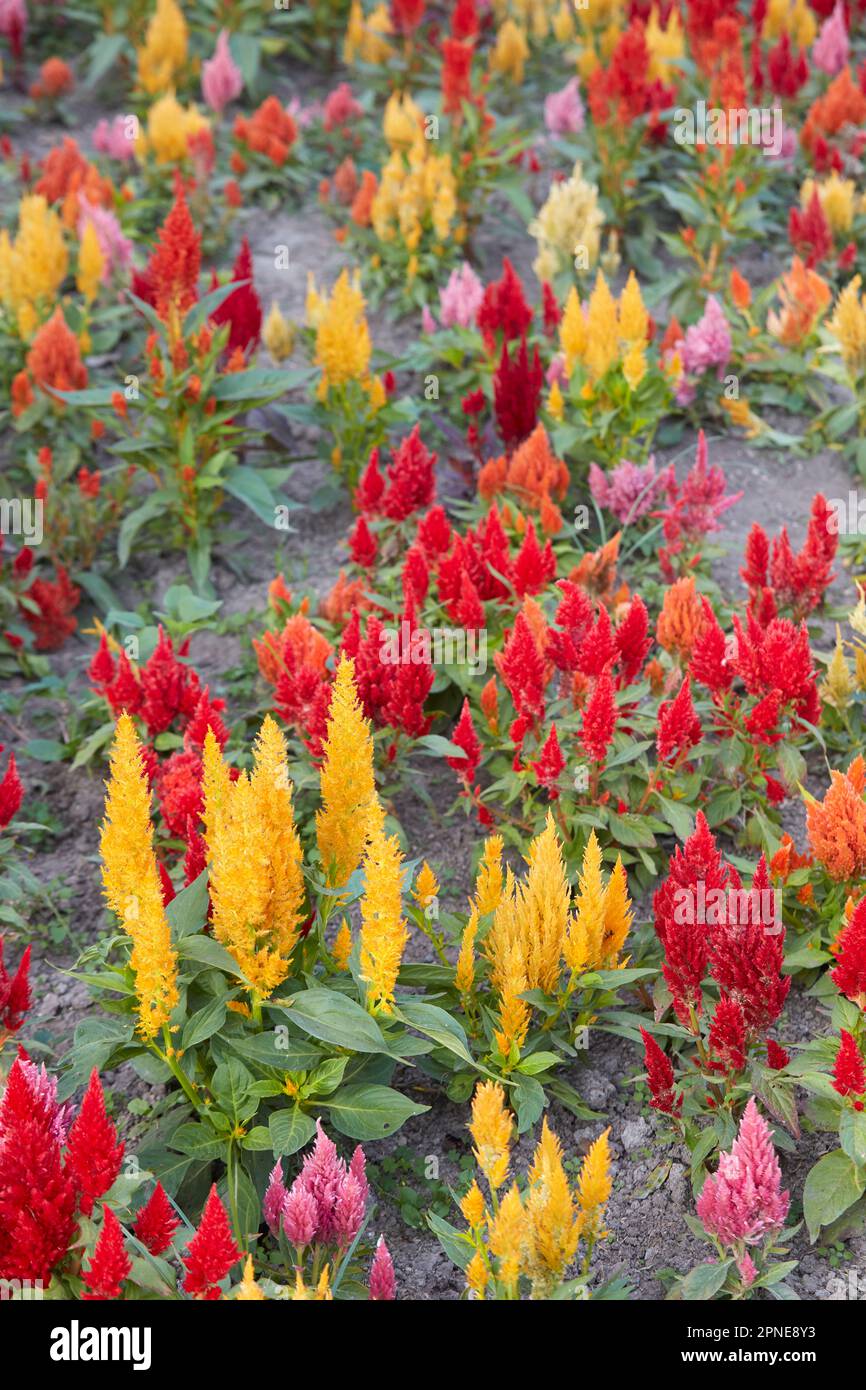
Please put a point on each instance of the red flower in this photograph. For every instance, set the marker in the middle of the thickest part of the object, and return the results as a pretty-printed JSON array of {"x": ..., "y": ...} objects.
[
  {"x": 849, "y": 974},
  {"x": 179, "y": 789},
  {"x": 406, "y": 15},
  {"x": 777, "y": 657},
  {"x": 660, "y": 1077},
  {"x": 684, "y": 939},
  {"x": 550, "y": 309},
  {"x": 465, "y": 23},
  {"x": 755, "y": 570},
  {"x": 599, "y": 719},
  {"x": 777, "y": 1057},
  {"x": 55, "y": 601},
  {"x": 787, "y": 73},
  {"x": 456, "y": 75},
  {"x": 156, "y": 1222},
  {"x": 465, "y": 737},
  {"x": 371, "y": 486},
  {"x": 746, "y": 955},
  {"x": 679, "y": 728},
  {"x": 11, "y": 792},
  {"x": 14, "y": 993},
  {"x": 171, "y": 277},
  {"x": 242, "y": 309},
  {"x": 709, "y": 663},
  {"x": 411, "y": 479},
  {"x": 211, "y": 1252},
  {"x": 110, "y": 1264},
  {"x": 468, "y": 610},
  {"x": 521, "y": 667},
  {"x": 572, "y": 620},
  {"x": 205, "y": 716},
  {"x": 516, "y": 393},
  {"x": 416, "y": 575},
  {"x": 727, "y": 1037},
  {"x": 633, "y": 640},
  {"x": 362, "y": 544},
  {"x": 849, "y": 1073},
  {"x": 800, "y": 581},
  {"x": 169, "y": 688},
  {"x": 504, "y": 308},
  {"x": 434, "y": 533},
  {"x": 598, "y": 648},
  {"x": 534, "y": 568},
  {"x": 809, "y": 232},
  {"x": 550, "y": 765},
  {"x": 94, "y": 1154},
  {"x": 37, "y": 1197},
  {"x": 124, "y": 692}
]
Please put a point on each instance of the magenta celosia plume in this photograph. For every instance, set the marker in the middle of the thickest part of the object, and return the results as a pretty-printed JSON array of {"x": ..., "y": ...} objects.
[{"x": 744, "y": 1200}]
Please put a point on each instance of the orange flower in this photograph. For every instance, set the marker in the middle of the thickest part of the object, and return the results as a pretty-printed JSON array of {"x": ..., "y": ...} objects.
[
  {"x": 66, "y": 174},
  {"x": 232, "y": 193},
  {"x": 346, "y": 181},
  {"x": 786, "y": 860},
  {"x": 299, "y": 644},
  {"x": 55, "y": 77},
  {"x": 843, "y": 103},
  {"x": 271, "y": 131},
  {"x": 681, "y": 619},
  {"x": 837, "y": 826},
  {"x": 533, "y": 472},
  {"x": 344, "y": 596},
  {"x": 804, "y": 297},
  {"x": 22, "y": 394},
  {"x": 54, "y": 360},
  {"x": 741, "y": 290},
  {"x": 597, "y": 570},
  {"x": 363, "y": 201},
  {"x": 490, "y": 705}
]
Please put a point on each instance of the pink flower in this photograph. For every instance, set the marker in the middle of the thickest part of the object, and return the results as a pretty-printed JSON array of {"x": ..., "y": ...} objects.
[
  {"x": 563, "y": 110},
  {"x": 116, "y": 139},
  {"x": 744, "y": 1200},
  {"x": 747, "y": 1271},
  {"x": 115, "y": 247},
  {"x": 831, "y": 48},
  {"x": 341, "y": 108},
  {"x": 275, "y": 1198},
  {"x": 348, "y": 1211},
  {"x": 221, "y": 78},
  {"x": 383, "y": 1286},
  {"x": 708, "y": 342},
  {"x": 629, "y": 491},
  {"x": 556, "y": 371},
  {"x": 300, "y": 1216},
  {"x": 13, "y": 24},
  {"x": 461, "y": 298},
  {"x": 428, "y": 323}
]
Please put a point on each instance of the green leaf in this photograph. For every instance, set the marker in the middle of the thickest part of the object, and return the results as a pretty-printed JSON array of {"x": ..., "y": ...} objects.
[
  {"x": 435, "y": 1023},
  {"x": 456, "y": 1244},
  {"x": 704, "y": 1281},
  {"x": 187, "y": 911},
  {"x": 327, "y": 1077},
  {"x": 832, "y": 1186},
  {"x": 632, "y": 831},
  {"x": 852, "y": 1135},
  {"x": 249, "y": 487},
  {"x": 267, "y": 1050},
  {"x": 678, "y": 816},
  {"x": 527, "y": 1096},
  {"x": 370, "y": 1112},
  {"x": 290, "y": 1130},
  {"x": 44, "y": 750},
  {"x": 204, "y": 1024},
  {"x": 336, "y": 1019},
  {"x": 132, "y": 523},
  {"x": 231, "y": 1088},
  {"x": 104, "y": 53},
  {"x": 207, "y": 952},
  {"x": 259, "y": 383},
  {"x": 198, "y": 1141}
]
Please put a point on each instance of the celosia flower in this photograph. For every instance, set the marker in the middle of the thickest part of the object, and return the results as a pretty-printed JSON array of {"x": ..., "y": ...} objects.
[
  {"x": 555, "y": 1223},
  {"x": 156, "y": 1222},
  {"x": 343, "y": 344},
  {"x": 37, "y": 1195},
  {"x": 629, "y": 490},
  {"x": 848, "y": 327},
  {"x": 94, "y": 1154},
  {"x": 254, "y": 856},
  {"x": 271, "y": 131},
  {"x": 242, "y": 309},
  {"x": 491, "y": 1127},
  {"x": 503, "y": 308},
  {"x": 278, "y": 335},
  {"x": 170, "y": 282},
  {"x": 221, "y": 78},
  {"x": 599, "y": 718},
  {"x": 831, "y": 48},
  {"x": 109, "y": 1265},
  {"x": 383, "y": 928},
  {"x": 594, "y": 1186},
  {"x": 175, "y": 133},
  {"x": 550, "y": 765},
  {"x": 563, "y": 110},
  {"x": 727, "y": 1037},
  {"x": 347, "y": 786},
  {"x": 849, "y": 974},
  {"x": 131, "y": 880},
  {"x": 164, "y": 53},
  {"x": 569, "y": 221},
  {"x": 460, "y": 298},
  {"x": 382, "y": 1285},
  {"x": 517, "y": 384},
  {"x": 744, "y": 1200},
  {"x": 837, "y": 825},
  {"x": 510, "y": 51},
  {"x": 211, "y": 1252},
  {"x": 11, "y": 795},
  {"x": 14, "y": 993},
  {"x": 679, "y": 728},
  {"x": 849, "y": 1072},
  {"x": 708, "y": 342},
  {"x": 54, "y": 360},
  {"x": 660, "y": 1078}
]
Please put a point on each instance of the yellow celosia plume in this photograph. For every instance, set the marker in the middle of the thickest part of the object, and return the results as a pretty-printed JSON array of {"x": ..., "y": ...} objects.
[
  {"x": 170, "y": 127},
  {"x": 848, "y": 326},
  {"x": 343, "y": 344},
  {"x": 33, "y": 266},
  {"x": 254, "y": 858},
  {"x": 162, "y": 57},
  {"x": 383, "y": 927},
  {"x": 348, "y": 789},
  {"x": 491, "y": 1126},
  {"x": 488, "y": 880},
  {"x": 554, "y": 1222},
  {"x": 131, "y": 881},
  {"x": 91, "y": 263},
  {"x": 593, "y": 1187}
]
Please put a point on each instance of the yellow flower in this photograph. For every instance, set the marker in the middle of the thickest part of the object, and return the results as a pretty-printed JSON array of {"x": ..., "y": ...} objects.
[
  {"x": 509, "y": 974},
  {"x": 794, "y": 19},
  {"x": 554, "y": 1224},
  {"x": 383, "y": 928},
  {"x": 278, "y": 335},
  {"x": 365, "y": 38},
  {"x": 377, "y": 393},
  {"x": 848, "y": 326},
  {"x": 633, "y": 317},
  {"x": 542, "y": 905},
  {"x": 426, "y": 886},
  {"x": 510, "y": 51},
  {"x": 254, "y": 858},
  {"x": 343, "y": 345},
  {"x": 472, "y": 1206},
  {"x": 602, "y": 347},
  {"x": 509, "y": 1234},
  {"x": 402, "y": 122},
  {"x": 131, "y": 881},
  {"x": 665, "y": 44},
  {"x": 170, "y": 127},
  {"x": 477, "y": 1275},
  {"x": 838, "y": 688},
  {"x": 33, "y": 266},
  {"x": 583, "y": 946},
  {"x": 593, "y": 1187},
  {"x": 491, "y": 1127},
  {"x": 568, "y": 226},
  {"x": 634, "y": 366},
  {"x": 464, "y": 974},
  {"x": 91, "y": 263},
  {"x": 347, "y": 785},
  {"x": 617, "y": 917},
  {"x": 488, "y": 882},
  {"x": 836, "y": 196},
  {"x": 563, "y": 23},
  {"x": 556, "y": 403},
  {"x": 248, "y": 1289},
  {"x": 342, "y": 947},
  {"x": 573, "y": 331},
  {"x": 163, "y": 55}
]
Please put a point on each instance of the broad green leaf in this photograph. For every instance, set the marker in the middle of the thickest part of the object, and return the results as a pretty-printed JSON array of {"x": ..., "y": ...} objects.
[
  {"x": 336, "y": 1019},
  {"x": 290, "y": 1130},
  {"x": 832, "y": 1186},
  {"x": 370, "y": 1112},
  {"x": 704, "y": 1281}
]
